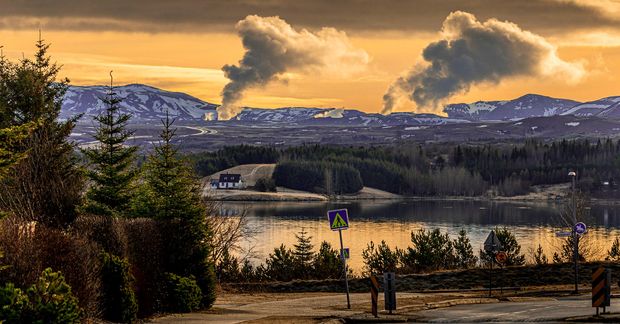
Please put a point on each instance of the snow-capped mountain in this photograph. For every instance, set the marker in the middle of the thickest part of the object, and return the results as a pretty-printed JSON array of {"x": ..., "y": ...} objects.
[
  {"x": 474, "y": 111},
  {"x": 141, "y": 101},
  {"x": 149, "y": 104},
  {"x": 337, "y": 116},
  {"x": 146, "y": 103},
  {"x": 529, "y": 105},
  {"x": 598, "y": 107}
]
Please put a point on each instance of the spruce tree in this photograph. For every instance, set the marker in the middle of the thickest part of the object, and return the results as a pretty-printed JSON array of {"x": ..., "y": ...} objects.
[
  {"x": 46, "y": 185},
  {"x": 10, "y": 142},
  {"x": 111, "y": 172},
  {"x": 303, "y": 255},
  {"x": 463, "y": 251},
  {"x": 174, "y": 196},
  {"x": 539, "y": 256}
]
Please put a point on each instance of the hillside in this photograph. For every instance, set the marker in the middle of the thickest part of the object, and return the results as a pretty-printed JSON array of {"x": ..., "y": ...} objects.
[{"x": 252, "y": 172}]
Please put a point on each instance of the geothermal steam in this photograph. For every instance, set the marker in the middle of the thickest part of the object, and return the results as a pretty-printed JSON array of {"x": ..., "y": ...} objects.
[
  {"x": 273, "y": 48},
  {"x": 471, "y": 52}
]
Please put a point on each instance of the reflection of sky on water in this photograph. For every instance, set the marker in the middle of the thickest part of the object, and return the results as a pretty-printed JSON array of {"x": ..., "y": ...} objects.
[{"x": 393, "y": 221}]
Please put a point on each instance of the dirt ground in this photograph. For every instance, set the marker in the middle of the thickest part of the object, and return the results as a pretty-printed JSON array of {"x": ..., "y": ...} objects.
[{"x": 316, "y": 307}]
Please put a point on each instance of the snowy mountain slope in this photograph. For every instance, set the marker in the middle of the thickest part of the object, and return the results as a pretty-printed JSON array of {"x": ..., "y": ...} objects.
[
  {"x": 593, "y": 108},
  {"x": 149, "y": 104},
  {"x": 337, "y": 116},
  {"x": 142, "y": 101},
  {"x": 474, "y": 111},
  {"x": 530, "y": 105},
  {"x": 612, "y": 111}
]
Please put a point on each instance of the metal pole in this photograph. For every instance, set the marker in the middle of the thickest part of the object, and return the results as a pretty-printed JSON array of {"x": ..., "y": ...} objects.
[
  {"x": 491, "y": 278},
  {"x": 344, "y": 263},
  {"x": 575, "y": 240}
]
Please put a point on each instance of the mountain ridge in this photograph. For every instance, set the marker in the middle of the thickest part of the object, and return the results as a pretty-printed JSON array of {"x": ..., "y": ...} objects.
[{"x": 147, "y": 104}]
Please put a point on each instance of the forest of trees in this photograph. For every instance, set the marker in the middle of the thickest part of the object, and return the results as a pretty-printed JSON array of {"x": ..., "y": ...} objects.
[{"x": 434, "y": 169}]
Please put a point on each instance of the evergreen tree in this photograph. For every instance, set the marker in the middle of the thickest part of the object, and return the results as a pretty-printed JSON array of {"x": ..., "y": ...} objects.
[
  {"x": 539, "y": 256},
  {"x": 174, "y": 195},
  {"x": 47, "y": 184},
  {"x": 431, "y": 250},
  {"x": 10, "y": 143},
  {"x": 614, "y": 253},
  {"x": 510, "y": 245},
  {"x": 463, "y": 251},
  {"x": 281, "y": 264},
  {"x": 327, "y": 263},
  {"x": 379, "y": 259},
  {"x": 303, "y": 255},
  {"x": 111, "y": 174}
]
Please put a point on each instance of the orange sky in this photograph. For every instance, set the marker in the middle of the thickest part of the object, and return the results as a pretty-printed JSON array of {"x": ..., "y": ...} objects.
[{"x": 192, "y": 62}]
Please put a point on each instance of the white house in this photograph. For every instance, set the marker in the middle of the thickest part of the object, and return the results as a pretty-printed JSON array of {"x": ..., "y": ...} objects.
[{"x": 227, "y": 181}]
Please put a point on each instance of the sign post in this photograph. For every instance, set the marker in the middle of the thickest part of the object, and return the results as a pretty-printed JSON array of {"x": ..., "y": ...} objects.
[
  {"x": 501, "y": 257},
  {"x": 578, "y": 230},
  {"x": 491, "y": 245},
  {"x": 338, "y": 221}
]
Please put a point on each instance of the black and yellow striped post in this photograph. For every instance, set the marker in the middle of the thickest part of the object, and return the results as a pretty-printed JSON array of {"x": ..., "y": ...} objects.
[
  {"x": 601, "y": 288},
  {"x": 374, "y": 294}
]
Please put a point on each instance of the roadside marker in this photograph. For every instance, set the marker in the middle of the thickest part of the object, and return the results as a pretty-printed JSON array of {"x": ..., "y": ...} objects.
[
  {"x": 374, "y": 294},
  {"x": 601, "y": 288}
]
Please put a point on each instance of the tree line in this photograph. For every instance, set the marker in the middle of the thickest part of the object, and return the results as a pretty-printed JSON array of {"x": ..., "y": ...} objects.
[{"x": 435, "y": 169}]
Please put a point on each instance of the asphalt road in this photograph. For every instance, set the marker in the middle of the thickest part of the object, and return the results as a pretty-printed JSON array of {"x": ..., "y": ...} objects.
[{"x": 533, "y": 311}]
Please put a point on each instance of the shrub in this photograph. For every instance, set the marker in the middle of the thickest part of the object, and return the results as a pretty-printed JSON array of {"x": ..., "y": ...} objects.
[
  {"x": 188, "y": 254},
  {"x": 431, "y": 250},
  {"x": 51, "y": 300},
  {"x": 13, "y": 303},
  {"x": 108, "y": 232},
  {"x": 119, "y": 300},
  {"x": 510, "y": 245},
  {"x": 614, "y": 253},
  {"x": 463, "y": 252},
  {"x": 29, "y": 249},
  {"x": 280, "y": 265},
  {"x": 228, "y": 268},
  {"x": 180, "y": 294},
  {"x": 327, "y": 263},
  {"x": 265, "y": 184},
  {"x": 144, "y": 254},
  {"x": 379, "y": 259}
]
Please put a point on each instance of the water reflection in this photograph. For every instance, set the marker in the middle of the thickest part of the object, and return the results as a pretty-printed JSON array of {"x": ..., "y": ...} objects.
[{"x": 277, "y": 222}]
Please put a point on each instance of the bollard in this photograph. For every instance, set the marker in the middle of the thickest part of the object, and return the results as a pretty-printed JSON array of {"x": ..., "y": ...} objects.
[
  {"x": 389, "y": 291},
  {"x": 374, "y": 294}
]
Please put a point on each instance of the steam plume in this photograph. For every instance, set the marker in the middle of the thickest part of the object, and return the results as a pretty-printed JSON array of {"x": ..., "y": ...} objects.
[
  {"x": 472, "y": 52},
  {"x": 273, "y": 47}
]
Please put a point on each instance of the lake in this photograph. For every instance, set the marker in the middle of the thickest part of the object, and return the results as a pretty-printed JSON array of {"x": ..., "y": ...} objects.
[{"x": 277, "y": 223}]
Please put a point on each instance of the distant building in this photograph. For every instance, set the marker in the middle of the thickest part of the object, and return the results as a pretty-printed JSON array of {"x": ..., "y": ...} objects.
[{"x": 227, "y": 181}]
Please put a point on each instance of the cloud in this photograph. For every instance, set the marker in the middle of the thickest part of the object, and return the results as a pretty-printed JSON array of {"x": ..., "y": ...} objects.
[
  {"x": 560, "y": 16},
  {"x": 471, "y": 52},
  {"x": 273, "y": 48}
]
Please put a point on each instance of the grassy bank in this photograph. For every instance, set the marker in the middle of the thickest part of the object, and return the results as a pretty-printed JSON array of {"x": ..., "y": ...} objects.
[{"x": 524, "y": 276}]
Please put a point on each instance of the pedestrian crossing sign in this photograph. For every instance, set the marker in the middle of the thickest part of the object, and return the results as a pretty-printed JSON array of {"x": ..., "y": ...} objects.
[{"x": 338, "y": 219}]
